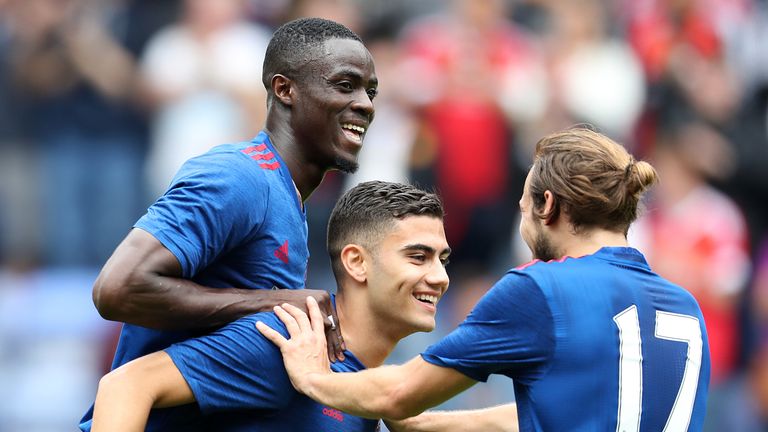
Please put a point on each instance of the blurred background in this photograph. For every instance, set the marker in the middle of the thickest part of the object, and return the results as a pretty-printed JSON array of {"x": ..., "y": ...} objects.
[{"x": 102, "y": 100}]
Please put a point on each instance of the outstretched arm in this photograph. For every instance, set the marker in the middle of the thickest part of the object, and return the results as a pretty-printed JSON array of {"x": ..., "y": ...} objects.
[
  {"x": 232, "y": 369},
  {"x": 127, "y": 394},
  {"x": 141, "y": 284},
  {"x": 393, "y": 392},
  {"x": 502, "y": 418}
]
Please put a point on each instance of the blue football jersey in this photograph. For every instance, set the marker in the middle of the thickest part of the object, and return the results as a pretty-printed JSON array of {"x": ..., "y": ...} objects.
[
  {"x": 232, "y": 218},
  {"x": 240, "y": 383},
  {"x": 596, "y": 343}
]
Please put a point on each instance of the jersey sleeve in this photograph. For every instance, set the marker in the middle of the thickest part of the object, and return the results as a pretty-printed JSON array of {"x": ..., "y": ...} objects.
[
  {"x": 212, "y": 204},
  {"x": 509, "y": 332},
  {"x": 235, "y": 367}
]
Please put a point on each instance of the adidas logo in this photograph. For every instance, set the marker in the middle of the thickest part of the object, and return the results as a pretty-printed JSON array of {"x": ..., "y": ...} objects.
[{"x": 282, "y": 252}]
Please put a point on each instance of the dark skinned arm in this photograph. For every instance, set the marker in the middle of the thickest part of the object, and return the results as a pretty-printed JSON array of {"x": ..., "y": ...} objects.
[{"x": 141, "y": 284}]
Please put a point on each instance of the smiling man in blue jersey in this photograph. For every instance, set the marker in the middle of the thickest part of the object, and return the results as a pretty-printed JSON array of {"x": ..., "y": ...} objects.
[
  {"x": 232, "y": 224},
  {"x": 388, "y": 250},
  {"x": 591, "y": 337}
]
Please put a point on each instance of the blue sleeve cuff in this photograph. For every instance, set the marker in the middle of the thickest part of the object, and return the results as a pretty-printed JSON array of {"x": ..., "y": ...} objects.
[{"x": 477, "y": 375}]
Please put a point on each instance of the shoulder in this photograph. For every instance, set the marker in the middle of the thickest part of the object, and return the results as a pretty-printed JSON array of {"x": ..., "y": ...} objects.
[
  {"x": 538, "y": 264},
  {"x": 234, "y": 156},
  {"x": 269, "y": 318},
  {"x": 233, "y": 164},
  {"x": 542, "y": 271},
  {"x": 517, "y": 289},
  {"x": 349, "y": 364}
]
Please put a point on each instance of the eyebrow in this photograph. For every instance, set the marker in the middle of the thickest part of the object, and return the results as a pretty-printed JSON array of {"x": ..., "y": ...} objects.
[
  {"x": 425, "y": 248},
  {"x": 353, "y": 73}
]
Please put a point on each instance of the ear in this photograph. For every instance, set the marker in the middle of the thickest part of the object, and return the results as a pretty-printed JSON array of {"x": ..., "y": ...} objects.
[
  {"x": 353, "y": 258},
  {"x": 282, "y": 87},
  {"x": 549, "y": 205}
]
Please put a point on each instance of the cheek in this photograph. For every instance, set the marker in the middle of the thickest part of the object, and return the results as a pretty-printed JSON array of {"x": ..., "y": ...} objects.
[
  {"x": 523, "y": 227},
  {"x": 405, "y": 278},
  {"x": 527, "y": 229}
]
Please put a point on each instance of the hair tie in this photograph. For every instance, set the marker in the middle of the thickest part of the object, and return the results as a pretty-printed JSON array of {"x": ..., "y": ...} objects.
[{"x": 628, "y": 169}]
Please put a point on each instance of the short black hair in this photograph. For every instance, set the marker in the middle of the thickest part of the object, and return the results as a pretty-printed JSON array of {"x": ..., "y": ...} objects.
[
  {"x": 292, "y": 45},
  {"x": 370, "y": 209}
]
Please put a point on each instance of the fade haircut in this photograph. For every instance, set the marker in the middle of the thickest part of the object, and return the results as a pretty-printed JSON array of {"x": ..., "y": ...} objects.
[
  {"x": 593, "y": 179},
  {"x": 294, "y": 43},
  {"x": 370, "y": 210}
]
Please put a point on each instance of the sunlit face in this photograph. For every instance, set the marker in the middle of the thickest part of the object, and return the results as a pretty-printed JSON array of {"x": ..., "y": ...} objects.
[
  {"x": 532, "y": 229},
  {"x": 407, "y": 276},
  {"x": 334, "y": 103}
]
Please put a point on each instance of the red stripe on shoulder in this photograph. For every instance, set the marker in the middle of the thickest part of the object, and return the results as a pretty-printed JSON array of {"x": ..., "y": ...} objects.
[
  {"x": 271, "y": 166},
  {"x": 254, "y": 148},
  {"x": 263, "y": 156},
  {"x": 528, "y": 264},
  {"x": 561, "y": 259}
]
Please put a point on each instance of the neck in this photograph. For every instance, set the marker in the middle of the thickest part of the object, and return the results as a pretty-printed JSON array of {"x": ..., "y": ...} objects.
[
  {"x": 589, "y": 242},
  {"x": 358, "y": 327},
  {"x": 305, "y": 174}
]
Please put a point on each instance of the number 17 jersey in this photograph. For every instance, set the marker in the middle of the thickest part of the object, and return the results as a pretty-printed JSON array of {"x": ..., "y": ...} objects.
[{"x": 595, "y": 343}]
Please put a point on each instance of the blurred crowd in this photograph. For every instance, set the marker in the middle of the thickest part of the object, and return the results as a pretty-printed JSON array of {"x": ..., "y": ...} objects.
[{"x": 102, "y": 100}]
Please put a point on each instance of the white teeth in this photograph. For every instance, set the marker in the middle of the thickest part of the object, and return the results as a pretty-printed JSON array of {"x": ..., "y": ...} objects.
[
  {"x": 426, "y": 297},
  {"x": 358, "y": 129}
]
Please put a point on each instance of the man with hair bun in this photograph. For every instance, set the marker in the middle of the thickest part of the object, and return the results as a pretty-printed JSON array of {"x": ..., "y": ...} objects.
[{"x": 591, "y": 337}]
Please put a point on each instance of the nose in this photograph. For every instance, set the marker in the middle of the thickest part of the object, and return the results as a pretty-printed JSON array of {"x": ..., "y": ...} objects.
[
  {"x": 363, "y": 104},
  {"x": 438, "y": 277}
]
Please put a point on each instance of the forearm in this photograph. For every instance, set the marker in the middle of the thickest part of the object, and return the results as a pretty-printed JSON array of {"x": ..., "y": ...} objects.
[
  {"x": 501, "y": 418},
  {"x": 170, "y": 303},
  {"x": 127, "y": 394},
  {"x": 120, "y": 405},
  {"x": 142, "y": 284},
  {"x": 368, "y": 394},
  {"x": 392, "y": 392}
]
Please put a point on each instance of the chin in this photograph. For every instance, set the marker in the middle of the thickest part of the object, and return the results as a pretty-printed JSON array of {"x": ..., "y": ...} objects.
[
  {"x": 345, "y": 165},
  {"x": 425, "y": 327}
]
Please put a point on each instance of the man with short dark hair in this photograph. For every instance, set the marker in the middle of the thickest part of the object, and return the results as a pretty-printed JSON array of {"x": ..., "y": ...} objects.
[
  {"x": 232, "y": 224},
  {"x": 593, "y": 339},
  {"x": 388, "y": 251}
]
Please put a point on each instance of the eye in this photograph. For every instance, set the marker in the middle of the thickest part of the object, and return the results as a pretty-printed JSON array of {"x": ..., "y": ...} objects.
[
  {"x": 445, "y": 262},
  {"x": 419, "y": 257},
  {"x": 372, "y": 93},
  {"x": 346, "y": 85}
]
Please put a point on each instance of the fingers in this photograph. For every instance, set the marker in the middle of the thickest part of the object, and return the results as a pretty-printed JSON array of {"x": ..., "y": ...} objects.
[
  {"x": 336, "y": 339},
  {"x": 297, "y": 322},
  {"x": 330, "y": 348},
  {"x": 271, "y": 334},
  {"x": 335, "y": 345},
  {"x": 290, "y": 322},
  {"x": 316, "y": 317},
  {"x": 300, "y": 318}
]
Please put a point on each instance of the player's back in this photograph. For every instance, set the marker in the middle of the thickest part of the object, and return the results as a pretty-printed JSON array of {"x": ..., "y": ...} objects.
[{"x": 630, "y": 349}]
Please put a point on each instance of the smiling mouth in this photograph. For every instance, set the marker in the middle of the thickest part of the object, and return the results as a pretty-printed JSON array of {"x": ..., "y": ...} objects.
[
  {"x": 426, "y": 298},
  {"x": 353, "y": 132}
]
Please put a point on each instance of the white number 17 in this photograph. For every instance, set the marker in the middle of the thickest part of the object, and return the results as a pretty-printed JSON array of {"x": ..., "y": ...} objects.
[{"x": 669, "y": 326}]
